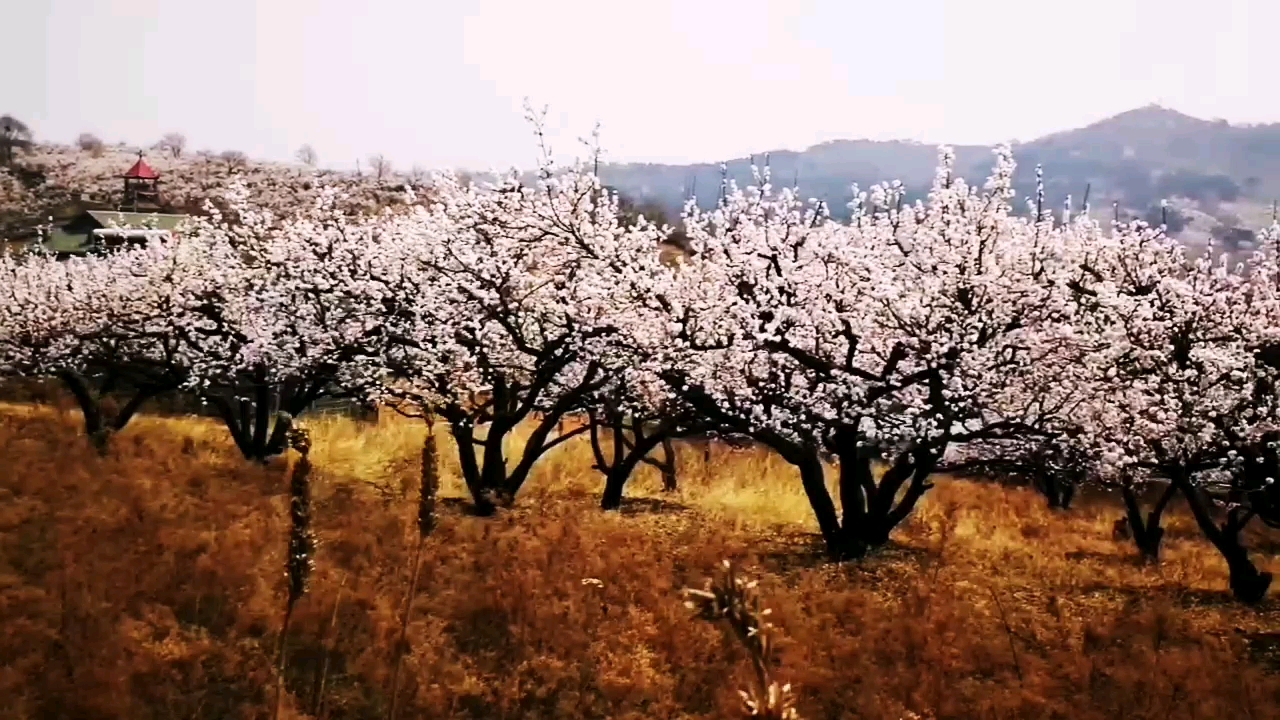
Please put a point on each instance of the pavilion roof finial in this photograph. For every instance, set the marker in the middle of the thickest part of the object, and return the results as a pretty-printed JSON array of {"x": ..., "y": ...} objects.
[{"x": 141, "y": 170}]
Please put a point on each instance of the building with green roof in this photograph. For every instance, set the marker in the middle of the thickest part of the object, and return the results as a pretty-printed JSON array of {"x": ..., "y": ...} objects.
[{"x": 98, "y": 230}]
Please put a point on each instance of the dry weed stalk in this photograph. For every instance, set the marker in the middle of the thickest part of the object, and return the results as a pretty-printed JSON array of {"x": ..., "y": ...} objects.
[
  {"x": 302, "y": 544},
  {"x": 732, "y": 599},
  {"x": 317, "y": 702},
  {"x": 430, "y": 486}
]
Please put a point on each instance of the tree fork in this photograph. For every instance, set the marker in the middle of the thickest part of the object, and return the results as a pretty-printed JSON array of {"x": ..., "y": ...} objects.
[
  {"x": 618, "y": 474},
  {"x": 97, "y": 427},
  {"x": 1147, "y": 534}
]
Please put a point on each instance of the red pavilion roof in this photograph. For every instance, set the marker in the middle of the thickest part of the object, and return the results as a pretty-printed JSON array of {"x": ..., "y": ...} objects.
[{"x": 142, "y": 171}]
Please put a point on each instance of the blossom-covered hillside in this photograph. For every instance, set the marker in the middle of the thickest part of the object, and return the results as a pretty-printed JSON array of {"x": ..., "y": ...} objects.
[{"x": 58, "y": 180}]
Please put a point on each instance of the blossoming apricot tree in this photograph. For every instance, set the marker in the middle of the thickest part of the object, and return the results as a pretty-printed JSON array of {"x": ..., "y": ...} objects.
[{"x": 897, "y": 336}]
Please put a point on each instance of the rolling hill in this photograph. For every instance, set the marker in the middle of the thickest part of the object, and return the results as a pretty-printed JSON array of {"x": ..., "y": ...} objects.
[{"x": 1217, "y": 176}]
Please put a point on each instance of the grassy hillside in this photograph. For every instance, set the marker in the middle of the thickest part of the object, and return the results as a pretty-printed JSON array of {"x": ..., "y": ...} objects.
[{"x": 150, "y": 584}]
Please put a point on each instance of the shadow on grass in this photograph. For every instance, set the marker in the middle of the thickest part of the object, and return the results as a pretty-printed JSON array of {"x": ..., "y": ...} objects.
[
  {"x": 651, "y": 506},
  {"x": 1263, "y": 648},
  {"x": 1105, "y": 558},
  {"x": 457, "y": 506},
  {"x": 788, "y": 552},
  {"x": 1196, "y": 598}
]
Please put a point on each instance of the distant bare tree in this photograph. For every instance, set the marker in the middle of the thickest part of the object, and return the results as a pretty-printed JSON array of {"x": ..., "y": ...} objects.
[
  {"x": 90, "y": 143},
  {"x": 14, "y": 134},
  {"x": 234, "y": 159},
  {"x": 174, "y": 144},
  {"x": 307, "y": 156},
  {"x": 418, "y": 176},
  {"x": 380, "y": 165}
]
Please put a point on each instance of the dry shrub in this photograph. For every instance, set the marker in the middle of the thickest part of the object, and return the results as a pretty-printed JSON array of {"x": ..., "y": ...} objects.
[{"x": 148, "y": 584}]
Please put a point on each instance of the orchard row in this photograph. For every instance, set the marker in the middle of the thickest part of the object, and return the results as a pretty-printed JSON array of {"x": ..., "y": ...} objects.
[{"x": 950, "y": 334}]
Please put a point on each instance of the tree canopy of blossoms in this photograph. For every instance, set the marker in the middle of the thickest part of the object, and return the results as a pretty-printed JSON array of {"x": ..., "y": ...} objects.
[
  {"x": 293, "y": 313},
  {"x": 517, "y": 295},
  {"x": 908, "y": 331}
]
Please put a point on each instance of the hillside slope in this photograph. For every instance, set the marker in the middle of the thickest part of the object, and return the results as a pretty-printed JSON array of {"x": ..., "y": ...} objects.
[
  {"x": 60, "y": 181},
  {"x": 1224, "y": 172}
]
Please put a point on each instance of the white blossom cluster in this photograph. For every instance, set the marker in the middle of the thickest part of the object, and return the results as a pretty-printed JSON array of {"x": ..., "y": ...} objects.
[{"x": 947, "y": 320}]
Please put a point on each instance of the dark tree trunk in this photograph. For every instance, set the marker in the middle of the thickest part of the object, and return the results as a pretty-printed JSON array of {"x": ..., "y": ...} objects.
[
  {"x": 872, "y": 510},
  {"x": 628, "y": 453},
  {"x": 1057, "y": 491},
  {"x": 612, "y": 464},
  {"x": 464, "y": 435},
  {"x": 1248, "y": 584},
  {"x": 250, "y": 430},
  {"x": 131, "y": 408},
  {"x": 540, "y": 440},
  {"x": 668, "y": 465},
  {"x": 484, "y": 462},
  {"x": 260, "y": 426},
  {"x": 1148, "y": 541},
  {"x": 1147, "y": 533},
  {"x": 493, "y": 457},
  {"x": 263, "y": 398},
  {"x": 97, "y": 426},
  {"x": 612, "y": 422},
  {"x": 538, "y": 444},
  {"x": 813, "y": 479},
  {"x": 90, "y": 405},
  {"x": 618, "y": 474},
  {"x": 254, "y": 446}
]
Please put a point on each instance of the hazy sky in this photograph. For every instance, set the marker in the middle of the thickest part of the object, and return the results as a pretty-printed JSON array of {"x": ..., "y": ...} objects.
[{"x": 442, "y": 83}]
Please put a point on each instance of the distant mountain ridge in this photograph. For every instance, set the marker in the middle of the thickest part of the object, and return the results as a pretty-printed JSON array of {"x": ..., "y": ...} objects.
[{"x": 1136, "y": 158}]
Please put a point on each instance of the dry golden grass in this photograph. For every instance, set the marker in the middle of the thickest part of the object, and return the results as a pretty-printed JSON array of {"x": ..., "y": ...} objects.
[{"x": 149, "y": 584}]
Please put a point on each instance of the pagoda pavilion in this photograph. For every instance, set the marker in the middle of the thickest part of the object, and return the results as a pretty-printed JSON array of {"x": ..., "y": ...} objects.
[{"x": 141, "y": 187}]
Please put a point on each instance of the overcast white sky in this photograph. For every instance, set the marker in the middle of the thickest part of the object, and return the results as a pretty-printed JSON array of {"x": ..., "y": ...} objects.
[{"x": 442, "y": 83}]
